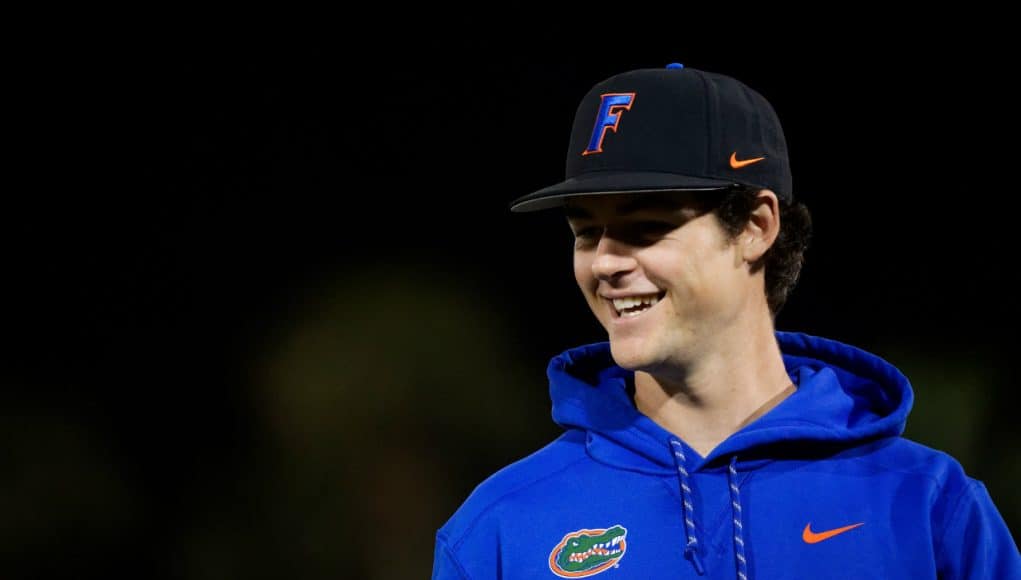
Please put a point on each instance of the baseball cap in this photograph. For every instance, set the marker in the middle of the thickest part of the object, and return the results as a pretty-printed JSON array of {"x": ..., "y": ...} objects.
[{"x": 675, "y": 128}]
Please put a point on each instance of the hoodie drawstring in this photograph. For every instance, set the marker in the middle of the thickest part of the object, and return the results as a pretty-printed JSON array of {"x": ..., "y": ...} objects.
[
  {"x": 735, "y": 506},
  {"x": 691, "y": 546}
]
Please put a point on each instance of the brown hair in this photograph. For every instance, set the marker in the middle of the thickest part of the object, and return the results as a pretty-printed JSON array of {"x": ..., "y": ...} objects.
[{"x": 783, "y": 260}]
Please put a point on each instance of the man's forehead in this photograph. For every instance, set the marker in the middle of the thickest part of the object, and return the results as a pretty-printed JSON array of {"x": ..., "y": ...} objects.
[{"x": 629, "y": 203}]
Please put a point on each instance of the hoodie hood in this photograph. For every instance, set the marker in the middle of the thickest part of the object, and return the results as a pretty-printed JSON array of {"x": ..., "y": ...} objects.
[{"x": 844, "y": 395}]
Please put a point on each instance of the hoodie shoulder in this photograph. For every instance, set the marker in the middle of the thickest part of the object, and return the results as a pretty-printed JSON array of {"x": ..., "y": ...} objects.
[
  {"x": 970, "y": 537},
  {"x": 500, "y": 488},
  {"x": 944, "y": 475},
  {"x": 947, "y": 481},
  {"x": 911, "y": 457}
]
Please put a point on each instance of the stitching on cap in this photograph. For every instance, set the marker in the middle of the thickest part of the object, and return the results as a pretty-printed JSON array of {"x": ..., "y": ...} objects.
[{"x": 708, "y": 124}]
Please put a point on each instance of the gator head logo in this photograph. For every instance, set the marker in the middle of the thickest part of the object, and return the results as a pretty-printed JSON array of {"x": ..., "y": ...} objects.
[{"x": 588, "y": 552}]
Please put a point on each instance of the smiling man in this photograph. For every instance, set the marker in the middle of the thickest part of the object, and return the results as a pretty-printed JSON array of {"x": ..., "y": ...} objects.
[
  {"x": 699, "y": 440},
  {"x": 672, "y": 289}
]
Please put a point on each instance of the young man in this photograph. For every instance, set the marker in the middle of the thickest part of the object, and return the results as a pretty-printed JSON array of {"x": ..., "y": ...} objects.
[{"x": 699, "y": 441}]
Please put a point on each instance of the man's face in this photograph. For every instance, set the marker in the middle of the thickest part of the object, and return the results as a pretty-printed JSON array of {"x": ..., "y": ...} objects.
[{"x": 660, "y": 274}]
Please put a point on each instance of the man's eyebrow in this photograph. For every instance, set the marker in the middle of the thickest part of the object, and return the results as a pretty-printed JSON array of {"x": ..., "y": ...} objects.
[
  {"x": 649, "y": 202},
  {"x": 639, "y": 203},
  {"x": 573, "y": 212}
]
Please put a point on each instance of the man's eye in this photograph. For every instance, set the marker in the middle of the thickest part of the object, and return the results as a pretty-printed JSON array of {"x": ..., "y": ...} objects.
[{"x": 589, "y": 232}]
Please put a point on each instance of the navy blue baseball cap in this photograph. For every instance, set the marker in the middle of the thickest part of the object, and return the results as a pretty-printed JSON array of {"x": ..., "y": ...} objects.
[{"x": 674, "y": 128}]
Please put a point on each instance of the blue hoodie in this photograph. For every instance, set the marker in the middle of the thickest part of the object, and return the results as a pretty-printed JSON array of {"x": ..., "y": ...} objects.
[{"x": 821, "y": 486}]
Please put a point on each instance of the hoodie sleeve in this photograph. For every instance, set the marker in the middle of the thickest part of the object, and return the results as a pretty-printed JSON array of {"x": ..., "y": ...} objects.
[
  {"x": 445, "y": 566},
  {"x": 976, "y": 542}
]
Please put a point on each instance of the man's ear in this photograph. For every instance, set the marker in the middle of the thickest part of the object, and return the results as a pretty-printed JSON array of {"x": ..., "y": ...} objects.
[{"x": 762, "y": 228}]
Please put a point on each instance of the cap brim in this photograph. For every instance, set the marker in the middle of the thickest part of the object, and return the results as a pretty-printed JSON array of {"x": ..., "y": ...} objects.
[{"x": 613, "y": 182}]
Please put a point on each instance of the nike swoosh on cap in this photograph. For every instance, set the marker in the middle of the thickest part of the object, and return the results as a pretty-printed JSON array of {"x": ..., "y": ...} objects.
[{"x": 742, "y": 163}]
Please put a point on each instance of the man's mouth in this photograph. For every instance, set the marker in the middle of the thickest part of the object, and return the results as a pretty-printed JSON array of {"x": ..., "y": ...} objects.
[{"x": 631, "y": 306}]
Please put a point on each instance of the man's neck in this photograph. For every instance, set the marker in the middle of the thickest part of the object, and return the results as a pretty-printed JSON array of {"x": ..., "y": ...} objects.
[{"x": 713, "y": 397}]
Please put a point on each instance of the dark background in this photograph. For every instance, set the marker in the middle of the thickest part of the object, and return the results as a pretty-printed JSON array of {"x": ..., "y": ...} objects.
[{"x": 267, "y": 314}]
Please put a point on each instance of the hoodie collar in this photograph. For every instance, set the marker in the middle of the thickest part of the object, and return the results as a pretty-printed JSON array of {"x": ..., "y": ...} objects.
[{"x": 844, "y": 395}]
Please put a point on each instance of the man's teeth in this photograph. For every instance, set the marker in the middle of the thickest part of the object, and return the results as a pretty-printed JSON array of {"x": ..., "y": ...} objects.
[{"x": 634, "y": 305}]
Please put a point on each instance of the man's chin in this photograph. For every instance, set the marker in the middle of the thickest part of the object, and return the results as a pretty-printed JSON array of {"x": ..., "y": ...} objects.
[{"x": 629, "y": 354}]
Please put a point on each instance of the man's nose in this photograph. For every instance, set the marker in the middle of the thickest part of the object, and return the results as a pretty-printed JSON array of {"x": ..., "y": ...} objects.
[{"x": 613, "y": 259}]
